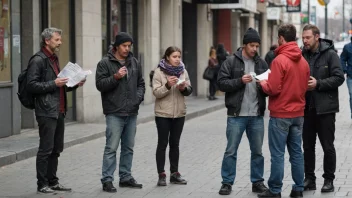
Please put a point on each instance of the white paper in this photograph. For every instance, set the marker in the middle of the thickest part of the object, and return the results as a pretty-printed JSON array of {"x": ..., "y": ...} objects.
[
  {"x": 74, "y": 73},
  {"x": 263, "y": 76},
  {"x": 180, "y": 81}
]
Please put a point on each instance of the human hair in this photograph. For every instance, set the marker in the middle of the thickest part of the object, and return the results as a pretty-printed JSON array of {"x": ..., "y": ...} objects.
[
  {"x": 171, "y": 50},
  {"x": 273, "y": 47},
  {"x": 314, "y": 29},
  {"x": 48, "y": 33},
  {"x": 211, "y": 50},
  {"x": 288, "y": 32}
]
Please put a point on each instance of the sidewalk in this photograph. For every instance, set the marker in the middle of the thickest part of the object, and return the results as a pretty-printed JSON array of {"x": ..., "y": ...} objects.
[{"x": 25, "y": 145}]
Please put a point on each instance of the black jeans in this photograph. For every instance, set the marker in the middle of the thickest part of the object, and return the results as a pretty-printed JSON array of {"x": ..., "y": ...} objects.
[
  {"x": 169, "y": 131},
  {"x": 212, "y": 87},
  {"x": 324, "y": 126},
  {"x": 51, "y": 144}
]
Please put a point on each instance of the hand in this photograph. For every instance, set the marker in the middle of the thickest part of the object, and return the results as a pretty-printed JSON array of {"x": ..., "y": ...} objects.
[
  {"x": 121, "y": 73},
  {"x": 172, "y": 80},
  {"x": 61, "y": 82},
  {"x": 246, "y": 78},
  {"x": 312, "y": 83},
  {"x": 81, "y": 83},
  {"x": 182, "y": 86}
]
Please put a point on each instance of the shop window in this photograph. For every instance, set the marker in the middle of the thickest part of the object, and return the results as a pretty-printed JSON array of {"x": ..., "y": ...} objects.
[{"x": 5, "y": 42}]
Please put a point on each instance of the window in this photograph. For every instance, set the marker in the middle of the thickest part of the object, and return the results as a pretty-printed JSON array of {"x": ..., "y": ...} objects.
[{"x": 5, "y": 42}]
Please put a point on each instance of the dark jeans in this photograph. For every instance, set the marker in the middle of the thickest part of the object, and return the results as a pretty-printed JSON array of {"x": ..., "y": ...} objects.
[
  {"x": 51, "y": 144},
  {"x": 212, "y": 87},
  {"x": 324, "y": 126},
  {"x": 169, "y": 131}
]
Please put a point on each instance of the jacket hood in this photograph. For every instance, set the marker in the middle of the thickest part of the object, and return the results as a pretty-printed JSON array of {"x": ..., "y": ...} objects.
[
  {"x": 290, "y": 50},
  {"x": 325, "y": 44}
]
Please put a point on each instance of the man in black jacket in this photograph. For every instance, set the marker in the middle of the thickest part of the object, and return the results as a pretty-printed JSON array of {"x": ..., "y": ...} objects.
[
  {"x": 245, "y": 104},
  {"x": 119, "y": 79},
  {"x": 50, "y": 108},
  {"x": 322, "y": 104}
]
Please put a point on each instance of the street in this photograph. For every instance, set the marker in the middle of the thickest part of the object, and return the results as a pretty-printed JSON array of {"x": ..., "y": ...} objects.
[{"x": 201, "y": 150}]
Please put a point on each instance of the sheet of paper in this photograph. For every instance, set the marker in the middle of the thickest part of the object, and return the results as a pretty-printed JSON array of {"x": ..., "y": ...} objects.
[
  {"x": 180, "y": 81},
  {"x": 263, "y": 76},
  {"x": 74, "y": 73}
]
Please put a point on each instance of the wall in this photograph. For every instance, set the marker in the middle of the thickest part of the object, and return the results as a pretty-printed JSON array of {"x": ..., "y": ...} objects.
[{"x": 88, "y": 54}]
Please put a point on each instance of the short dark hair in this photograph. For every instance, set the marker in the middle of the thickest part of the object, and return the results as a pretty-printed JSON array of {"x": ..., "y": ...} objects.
[
  {"x": 288, "y": 31},
  {"x": 314, "y": 29},
  {"x": 171, "y": 50}
]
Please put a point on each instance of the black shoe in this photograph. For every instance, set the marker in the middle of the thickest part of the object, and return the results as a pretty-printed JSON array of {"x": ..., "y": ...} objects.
[
  {"x": 45, "y": 190},
  {"x": 296, "y": 193},
  {"x": 59, "y": 187},
  {"x": 132, "y": 183},
  {"x": 269, "y": 194},
  {"x": 328, "y": 186},
  {"x": 162, "y": 179},
  {"x": 225, "y": 189},
  {"x": 259, "y": 187},
  {"x": 176, "y": 178},
  {"x": 309, "y": 184},
  {"x": 109, "y": 187}
]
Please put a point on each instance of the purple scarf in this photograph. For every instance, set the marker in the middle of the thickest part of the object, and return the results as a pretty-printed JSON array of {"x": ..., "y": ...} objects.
[{"x": 171, "y": 70}]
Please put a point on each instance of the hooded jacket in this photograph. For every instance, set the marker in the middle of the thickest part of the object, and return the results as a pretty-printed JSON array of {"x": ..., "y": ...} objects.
[
  {"x": 287, "y": 82},
  {"x": 326, "y": 69},
  {"x": 122, "y": 96}
]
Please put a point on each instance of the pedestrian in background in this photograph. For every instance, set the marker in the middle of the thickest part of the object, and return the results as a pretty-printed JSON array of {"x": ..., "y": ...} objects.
[
  {"x": 346, "y": 63},
  {"x": 120, "y": 80},
  {"x": 322, "y": 104},
  {"x": 213, "y": 65},
  {"x": 269, "y": 57},
  {"x": 286, "y": 87},
  {"x": 245, "y": 103},
  {"x": 170, "y": 86},
  {"x": 221, "y": 53}
]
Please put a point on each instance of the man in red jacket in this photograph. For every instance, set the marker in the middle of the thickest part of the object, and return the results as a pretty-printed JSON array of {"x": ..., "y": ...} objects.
[{"x": 286, "y": 87}]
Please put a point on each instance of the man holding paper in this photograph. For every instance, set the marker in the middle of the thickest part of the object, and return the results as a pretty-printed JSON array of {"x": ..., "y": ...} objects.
[
  {"x": 120, "y": 80},
  {"x": 286, "y": 87},
  {"x": 50, "y": 108},
  {"x": 245, "y": 103}
]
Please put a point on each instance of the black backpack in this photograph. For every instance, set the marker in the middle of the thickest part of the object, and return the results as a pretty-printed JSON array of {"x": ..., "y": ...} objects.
[{"x": 26, "y": 98}]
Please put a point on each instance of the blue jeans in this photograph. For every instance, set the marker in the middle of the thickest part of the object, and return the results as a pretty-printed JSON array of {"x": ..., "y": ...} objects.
[
  {"x": 124, "y": 128},
  {"x": 349, "y": 85},
  {"x": 254, "y": 127},
  {"x": 284, "y": 131}
]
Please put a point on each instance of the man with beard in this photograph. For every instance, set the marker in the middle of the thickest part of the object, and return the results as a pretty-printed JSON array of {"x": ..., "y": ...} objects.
[
  {"x": 322, "y": 104},
  {"x": 50, "y": 108},
  {"x": 245, "y": 104},
  {"x": 120, "y": 80}
]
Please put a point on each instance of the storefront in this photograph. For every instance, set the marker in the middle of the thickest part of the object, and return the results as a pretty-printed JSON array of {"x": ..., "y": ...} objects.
[{"x": 9, "y": 65}]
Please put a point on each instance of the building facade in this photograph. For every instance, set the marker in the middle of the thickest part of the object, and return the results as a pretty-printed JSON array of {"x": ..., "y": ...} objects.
[{"x": 89, "y": 28}]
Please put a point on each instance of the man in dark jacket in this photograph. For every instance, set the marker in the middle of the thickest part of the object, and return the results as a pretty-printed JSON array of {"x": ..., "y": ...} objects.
[
  {"x": 322, "y": 104},
  {"x": 245, "y": 104},
  {"x": 346, "y": 63},
  {"x": 119, "y": 79},
  {"x": 50, "y": 108}
]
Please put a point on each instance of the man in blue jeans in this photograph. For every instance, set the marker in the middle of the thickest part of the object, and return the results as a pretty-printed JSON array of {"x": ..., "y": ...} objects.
[
  {"x": 245, "y": 104},
  {"x": 286, "y": 87},
  {"x": 119, "y": 79},
  {"x": 346, "y": 63}
]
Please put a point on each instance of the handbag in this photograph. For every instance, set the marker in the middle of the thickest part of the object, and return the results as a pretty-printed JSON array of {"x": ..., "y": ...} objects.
[{"x": 209, "y": 73}]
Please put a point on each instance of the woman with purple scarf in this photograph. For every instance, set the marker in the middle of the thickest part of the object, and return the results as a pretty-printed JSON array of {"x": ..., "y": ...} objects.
[{"x": 170, "y": 86}]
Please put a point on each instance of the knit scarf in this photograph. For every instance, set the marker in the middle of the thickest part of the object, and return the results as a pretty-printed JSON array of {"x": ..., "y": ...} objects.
[{"x": 171, "y": 70}]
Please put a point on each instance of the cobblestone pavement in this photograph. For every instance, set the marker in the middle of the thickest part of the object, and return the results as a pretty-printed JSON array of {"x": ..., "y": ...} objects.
[{"x": 202, "y": 146}]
